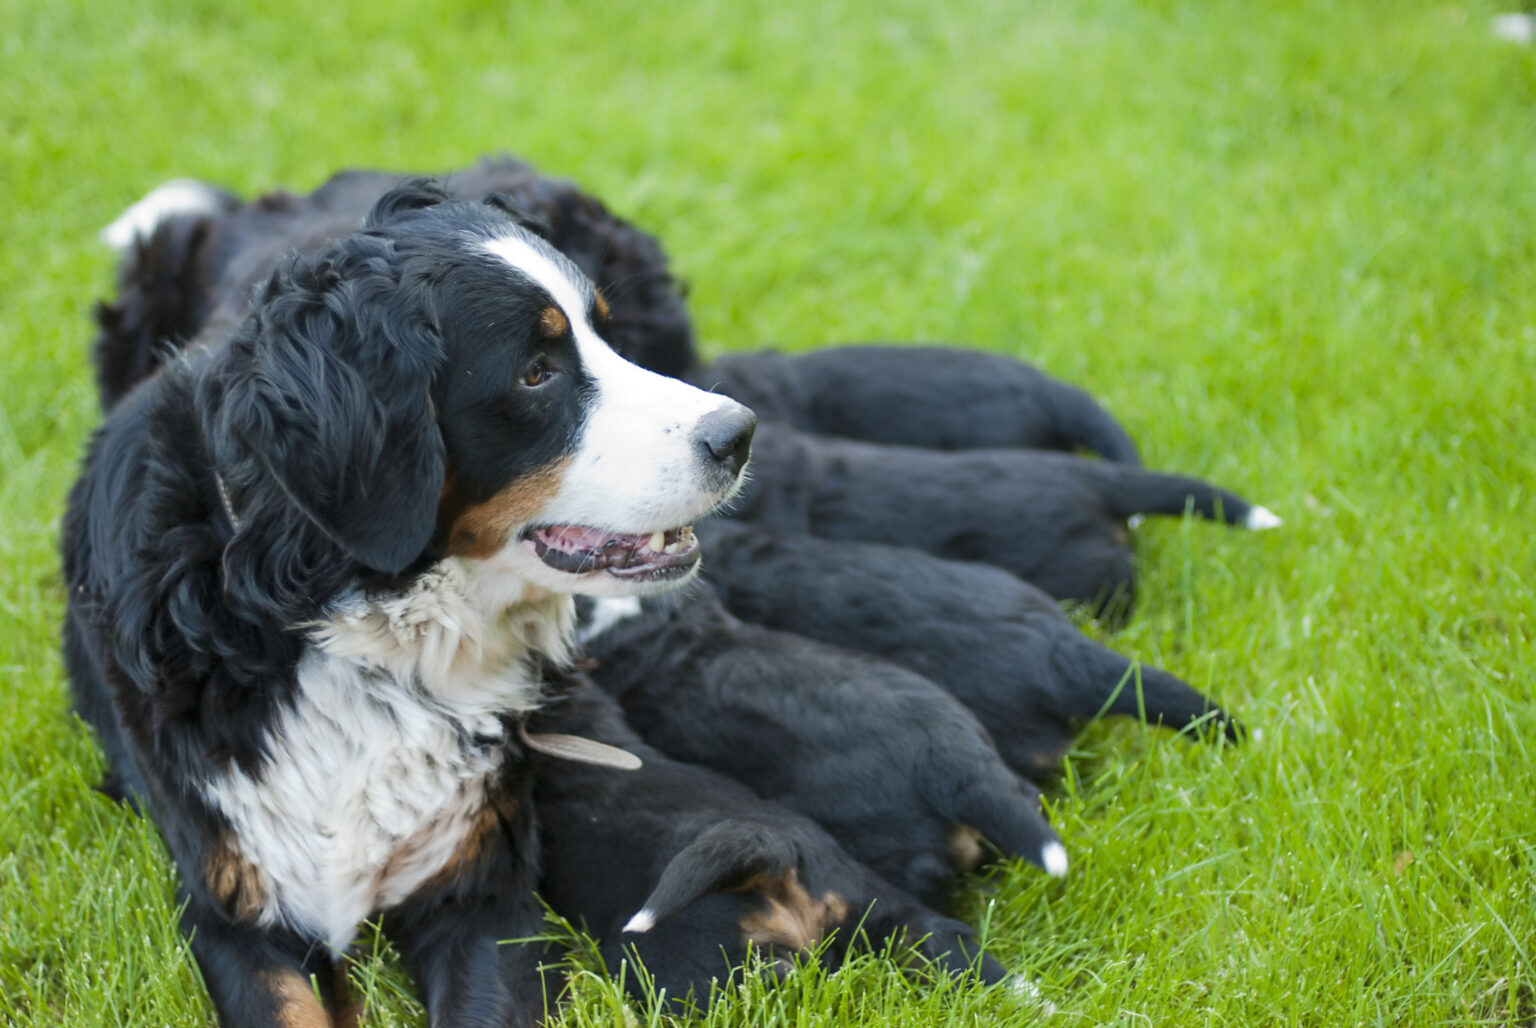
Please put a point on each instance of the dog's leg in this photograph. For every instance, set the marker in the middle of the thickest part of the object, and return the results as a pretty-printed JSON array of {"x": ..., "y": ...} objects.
[
  {"x": 456, "y": 933},
  {"x": 460, "y": 947},
  {"x": 259, "y": 978}
]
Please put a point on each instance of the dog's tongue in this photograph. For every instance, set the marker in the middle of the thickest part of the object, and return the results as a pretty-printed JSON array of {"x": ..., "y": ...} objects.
[
  {"x": 580, "y": 539},
  {"x": 579, "y": 549}
]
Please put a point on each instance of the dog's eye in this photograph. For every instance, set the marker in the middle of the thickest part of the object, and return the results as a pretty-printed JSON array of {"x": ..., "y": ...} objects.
[{"x": 537, "y": 373}]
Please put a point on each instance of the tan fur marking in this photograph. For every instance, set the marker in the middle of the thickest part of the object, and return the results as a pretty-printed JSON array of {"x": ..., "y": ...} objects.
[
  {"x": 552, "y": 322},
  {"x": 471, "y": 848},
  {"x": 965, "y": 852},
  {"x": 234, "y": 881},
  {"x": 298, "y": 1006},
  {"x": 600, "y": 304},
  {"x": 790, "y": 918},
  {"x": 482, "y": 530}
]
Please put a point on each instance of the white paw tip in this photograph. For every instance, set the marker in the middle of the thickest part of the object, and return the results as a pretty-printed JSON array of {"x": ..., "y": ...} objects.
[
  {"x": 1261, "y": 518},
  {"x": 1054, "y": 859},
  {"x": 644, "y": 921},
  {"x": 1135, "y": 521},
  {"x": 179, "y": 196}
]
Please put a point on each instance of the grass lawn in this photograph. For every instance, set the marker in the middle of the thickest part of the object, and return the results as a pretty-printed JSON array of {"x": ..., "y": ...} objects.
[{"x": 1293, "y": 246}]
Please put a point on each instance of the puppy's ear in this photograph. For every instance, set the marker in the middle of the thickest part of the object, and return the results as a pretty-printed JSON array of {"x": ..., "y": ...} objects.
[
  {"x": 320, "y": 407},
  {"x": 520, "y": 213},
  {"x": 411, "y": 195}
]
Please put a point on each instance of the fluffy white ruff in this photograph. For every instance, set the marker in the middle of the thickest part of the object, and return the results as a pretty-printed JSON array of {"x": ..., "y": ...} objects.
[
  {"x": 380, "y": 766},
  {"x": 464, "y": 635}
]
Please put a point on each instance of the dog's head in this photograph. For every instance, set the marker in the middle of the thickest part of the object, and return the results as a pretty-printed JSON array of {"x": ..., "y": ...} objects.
[{"x": 437, "y": 384}]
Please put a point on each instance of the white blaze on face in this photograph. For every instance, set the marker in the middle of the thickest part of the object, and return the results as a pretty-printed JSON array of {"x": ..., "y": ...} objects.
[{"x": 637, "y": 467}]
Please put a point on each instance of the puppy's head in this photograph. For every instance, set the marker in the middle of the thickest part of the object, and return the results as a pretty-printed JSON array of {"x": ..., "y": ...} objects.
[{"x": 437, "y": 383}]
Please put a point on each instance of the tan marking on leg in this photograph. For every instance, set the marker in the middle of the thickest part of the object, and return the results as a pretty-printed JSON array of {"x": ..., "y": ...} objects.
[
  {"x": 297, "y": 1005},
  {"x": 965, "y": 852},
  {"x": 552, "y": 322},
  {"x": 790, "y": 917},
  {"x": 345, "y": 1011},
  {"x": 482, "y": 530},
  {"x": 234, "y": 881}
]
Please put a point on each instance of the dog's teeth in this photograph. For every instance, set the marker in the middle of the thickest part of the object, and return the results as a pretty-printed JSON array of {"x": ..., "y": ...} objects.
[{"x": 658, "y": 541}]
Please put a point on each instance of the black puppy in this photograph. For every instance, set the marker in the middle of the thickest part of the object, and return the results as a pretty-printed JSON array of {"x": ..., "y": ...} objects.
[
  {"x": 682, "y": 868},
  {"x": 897, "y": 770},
  {"x": 999, "y": 645},
  {"x": 935, "y": 397},
  {"x": 1053, "y": 519}
]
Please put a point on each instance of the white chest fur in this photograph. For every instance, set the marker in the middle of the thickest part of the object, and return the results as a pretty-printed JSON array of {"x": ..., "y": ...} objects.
[{"x": 380, "y": 767}]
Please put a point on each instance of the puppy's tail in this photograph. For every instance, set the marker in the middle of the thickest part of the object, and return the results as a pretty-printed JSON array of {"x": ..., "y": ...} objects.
[
  {"x": 1099, "y": 681},
  {"x": 725, "y": 855},
  {"x": 1083, "y": 423},
  {"x": 1006, "y": 811},
  {"x": 1132, "y": 491},
  {"x": 159, "y": 240}
]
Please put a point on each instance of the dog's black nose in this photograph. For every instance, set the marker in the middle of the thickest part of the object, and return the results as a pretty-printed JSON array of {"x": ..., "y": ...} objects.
[{"x": 725, "y": 436}]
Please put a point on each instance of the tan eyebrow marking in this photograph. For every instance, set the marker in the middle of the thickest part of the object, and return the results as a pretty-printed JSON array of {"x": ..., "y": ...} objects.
[
  {"x": 552, "y": 322},
  {"x": 600, "y": 304}
]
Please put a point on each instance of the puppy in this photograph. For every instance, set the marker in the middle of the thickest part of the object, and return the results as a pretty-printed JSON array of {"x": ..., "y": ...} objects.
[
  {"x": 936, "y": 397},
  {"x": 899, "y": 773},
  {"x": 1056, "y": 520},
  {"x": 682, "y": 869},
  {"x": 193, "y": 253},
  {"x": 314, "y": 563},
  {"x": 997, "y": 644}
]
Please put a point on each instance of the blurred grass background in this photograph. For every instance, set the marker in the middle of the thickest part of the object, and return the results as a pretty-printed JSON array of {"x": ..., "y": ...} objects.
[{"x": 1290, "y": 244}]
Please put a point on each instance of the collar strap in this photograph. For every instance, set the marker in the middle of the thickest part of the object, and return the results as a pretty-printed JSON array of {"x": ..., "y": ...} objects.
[{"x": 574, "y": 747}]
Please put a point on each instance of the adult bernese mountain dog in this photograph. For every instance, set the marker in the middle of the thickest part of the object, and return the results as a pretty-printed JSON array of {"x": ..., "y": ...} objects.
[{"x": 315, "y": 559}]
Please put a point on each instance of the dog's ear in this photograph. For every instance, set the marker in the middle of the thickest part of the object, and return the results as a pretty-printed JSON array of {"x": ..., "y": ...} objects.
[
  {"x": 410, "y": 195},
  {"x": 520, "y": 213},
  {"x": 321, "y": 406}
]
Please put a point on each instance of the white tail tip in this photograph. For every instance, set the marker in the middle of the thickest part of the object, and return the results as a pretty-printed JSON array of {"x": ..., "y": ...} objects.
[
  {"x": 1054, "y": 859},
  {"x": 1026, "y": 990},
  {"x": 178, "y": 196},
  {"x": 644, "y": 921},
  {"x": 1262, "y": 518},
  {"x": 1517, "y": 28}
]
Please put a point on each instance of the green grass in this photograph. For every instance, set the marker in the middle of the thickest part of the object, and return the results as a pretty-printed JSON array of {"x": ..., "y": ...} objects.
[{"x": 1291, "y": 245}]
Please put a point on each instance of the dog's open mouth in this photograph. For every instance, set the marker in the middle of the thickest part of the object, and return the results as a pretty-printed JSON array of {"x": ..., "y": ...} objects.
[{"x": 580, "y": 550}]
